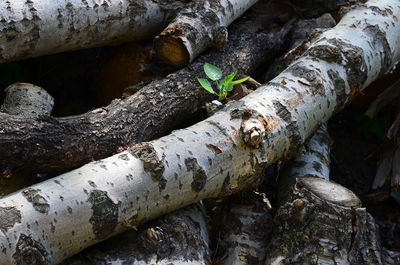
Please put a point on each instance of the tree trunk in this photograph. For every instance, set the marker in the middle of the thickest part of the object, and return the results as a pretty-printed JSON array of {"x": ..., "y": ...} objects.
[
  {"x": 58, "y": 144},
  {"x": 197, "y": 28},
  {"x": 38, "y": 27},
  {"x": 180, "y": 237},
  {"x": 213, "y": 158}
]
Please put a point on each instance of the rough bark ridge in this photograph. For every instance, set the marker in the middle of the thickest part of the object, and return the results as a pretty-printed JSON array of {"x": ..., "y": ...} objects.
[
  {"x": 197, "y": 28},
  {"x": 38, "y": 27},
  {"x": 56, "y": 144},
  {"x": 214, "y": 158}
]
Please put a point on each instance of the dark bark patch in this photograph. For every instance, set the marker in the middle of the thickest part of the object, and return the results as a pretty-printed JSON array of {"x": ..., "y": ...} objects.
[
  {"x": 105, "y": 214},
  {"x": 225, "y": 184},
  {"x": 311, "y": 75},
  {"x": 9, "y": 217},
  {"x": 29, "y": 251},
  {"x": 214, "y": 148},
  {"x": 39, "y": 202},
  {"x": 379, "y": 41},
  {"x": 199, "y": 175},
  {"x": 317, "y": 166},
  {"x": 91, "y": 183},
  {"x": 282, "y": 111},
  {"x": 58, "y": 182},
  {"x": 124, "y": 157},
  {"x": 335, "y": 51},
  {"x": 244, "y": 113},
  {"x": 292, "y": 128},
  {"x": 151, "y": 163},
  {"x": 340, "y": 88}
]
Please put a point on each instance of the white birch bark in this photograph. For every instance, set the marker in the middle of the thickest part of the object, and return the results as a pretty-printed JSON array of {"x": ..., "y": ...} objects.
[
  {"x": 38, "y": 27},
  {"x": 27, "y": 100},
  {"x": 197, "y": 28},
  {"x": 57, "y": 218}
]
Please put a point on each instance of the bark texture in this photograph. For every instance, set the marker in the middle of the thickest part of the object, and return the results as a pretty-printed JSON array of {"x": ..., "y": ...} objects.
[
  {"x": 243, "y": 228},
  {"x": 57, "y": 144},
  {"x": 197, "y": 28},
  {"x": 213, "y": 158},
  {"x": 180, "y": 237},
  {"x": 323, "y": 223},
  {"x": 27, "y": 100},
  {"x": 39, "y": 27}
]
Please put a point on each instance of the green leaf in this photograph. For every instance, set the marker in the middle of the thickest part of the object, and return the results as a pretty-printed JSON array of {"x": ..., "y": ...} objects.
[
  {"x": 240, "y": 80},
  {"x": 213, "y": 72},
  {"x": 206, "y": 85},
  {"x": 228, "y": 79},
  {"x": 229, "y": 88}
]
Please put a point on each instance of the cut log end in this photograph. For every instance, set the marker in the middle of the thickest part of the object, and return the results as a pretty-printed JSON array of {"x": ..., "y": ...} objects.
[
  {"x": 329, "y": 191},
  {"x": 172, "y": 51},
  {"x": 27, "y": 100}
]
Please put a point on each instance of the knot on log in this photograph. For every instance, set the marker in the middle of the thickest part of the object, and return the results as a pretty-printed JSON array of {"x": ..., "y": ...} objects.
[{"x": 252, "y": 131}]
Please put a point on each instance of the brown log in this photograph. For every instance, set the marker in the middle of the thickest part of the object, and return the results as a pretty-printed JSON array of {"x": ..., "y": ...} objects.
[{"x": 47, "y": 144}]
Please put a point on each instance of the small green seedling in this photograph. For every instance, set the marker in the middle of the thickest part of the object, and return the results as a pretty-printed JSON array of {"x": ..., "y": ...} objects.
[{"x": 224, "y": 86}]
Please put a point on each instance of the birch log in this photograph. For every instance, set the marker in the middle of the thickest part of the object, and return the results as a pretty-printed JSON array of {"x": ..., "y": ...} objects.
[
  {"x": 38, "y": 27},
  {"x": 180, "y": 237},
  {"x": 197, "y": 28},
  {"x": 219, "y": 156},
  {"x": 58, "y": 144}
]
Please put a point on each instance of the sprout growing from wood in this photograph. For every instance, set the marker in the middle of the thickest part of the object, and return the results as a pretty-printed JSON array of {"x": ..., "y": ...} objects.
[{"x": 224, "y": 86}]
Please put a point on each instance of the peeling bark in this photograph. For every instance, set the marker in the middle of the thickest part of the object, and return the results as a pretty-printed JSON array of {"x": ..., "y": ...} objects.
[
  {"x": 69, "y": 142},
  {"x": 34, "y": 28},
  {"x": 197, "y": 28},
  {"x": 363, "y": 46},
  {"x": 180, "y": 237}
]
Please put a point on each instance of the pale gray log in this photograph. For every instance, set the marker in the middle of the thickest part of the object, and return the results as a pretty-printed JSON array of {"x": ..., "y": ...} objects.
[{"x": 38, "y": 27}]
